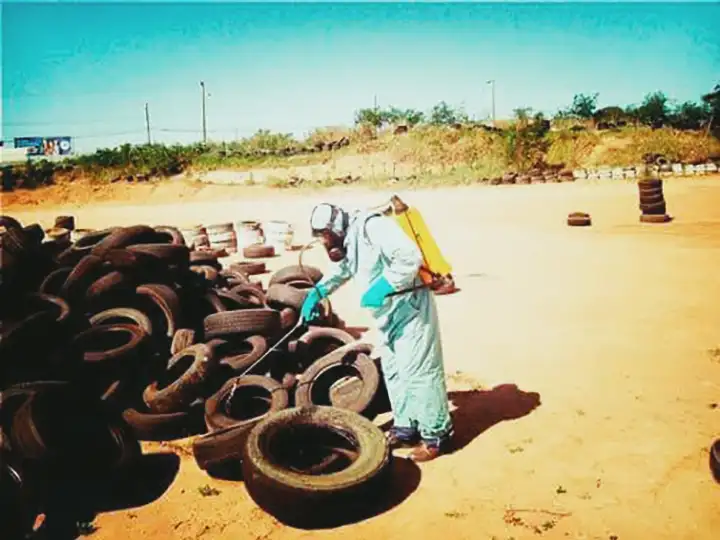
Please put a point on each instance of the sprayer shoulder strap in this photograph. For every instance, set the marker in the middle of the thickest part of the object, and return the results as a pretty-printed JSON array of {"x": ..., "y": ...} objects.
[{"x": 364, "y": 225}]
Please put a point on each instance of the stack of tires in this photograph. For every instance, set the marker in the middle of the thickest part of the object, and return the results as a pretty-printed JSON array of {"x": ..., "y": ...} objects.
[
  {"x": 222, "y": 236},
  {"x": 652, "y": 201},
  {"x": 129, "y": 335}
]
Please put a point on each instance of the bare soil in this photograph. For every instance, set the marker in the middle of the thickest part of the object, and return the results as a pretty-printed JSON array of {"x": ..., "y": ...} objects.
[{"x": 616, "y": 327}]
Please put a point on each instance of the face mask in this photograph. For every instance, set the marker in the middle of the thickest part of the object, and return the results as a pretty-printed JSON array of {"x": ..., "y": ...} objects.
[
  {"x": 334, "y": 245},
  {"x": 332, "y": 232}
]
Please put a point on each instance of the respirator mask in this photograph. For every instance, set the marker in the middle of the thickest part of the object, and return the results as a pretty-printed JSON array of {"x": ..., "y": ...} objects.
[{"x": 329, "y": 223}]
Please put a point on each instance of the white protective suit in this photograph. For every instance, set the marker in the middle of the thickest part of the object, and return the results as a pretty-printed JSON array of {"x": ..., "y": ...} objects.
[{"x": 408, "y": 323}]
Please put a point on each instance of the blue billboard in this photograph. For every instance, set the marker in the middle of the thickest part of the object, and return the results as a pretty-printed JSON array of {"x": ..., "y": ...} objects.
[{"x": 45, "y": 146}]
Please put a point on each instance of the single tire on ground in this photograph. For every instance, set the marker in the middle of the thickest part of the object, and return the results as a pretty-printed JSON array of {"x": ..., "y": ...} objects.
[
  {"x": 579, "y": 219},
  {"x": 258, "y": 252},
  {"x": 281, "y": 449}
]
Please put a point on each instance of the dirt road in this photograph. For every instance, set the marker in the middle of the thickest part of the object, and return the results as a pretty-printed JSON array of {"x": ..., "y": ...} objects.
[{"x": 616, "y": 327}]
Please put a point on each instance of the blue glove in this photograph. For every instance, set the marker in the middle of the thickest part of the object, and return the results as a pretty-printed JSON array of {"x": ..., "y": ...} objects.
[
  {"x": 309, "y": 310},
  {"x": 375, "y": 295}
]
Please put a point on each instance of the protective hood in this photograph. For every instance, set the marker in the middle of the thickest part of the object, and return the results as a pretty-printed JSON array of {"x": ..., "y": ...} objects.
[{"x": 329, "y": 217}]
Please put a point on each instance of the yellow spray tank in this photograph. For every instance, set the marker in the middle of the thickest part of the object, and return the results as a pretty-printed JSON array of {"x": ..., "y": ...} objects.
[{"x": 435, "y": 270}]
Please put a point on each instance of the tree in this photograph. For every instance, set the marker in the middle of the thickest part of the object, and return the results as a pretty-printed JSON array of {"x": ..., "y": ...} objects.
[
  {"x": 414, "y": 117},
  {"x": 583, "y": 106},
  {"x": 374, "y": 117},
  {"x": 612, "y": 114},
  {"x": 654, "y": 110},
  {"x": 444, "y": 114},
  {"x": 690, "y": 115},
  {"x": 712, "y": 101}
]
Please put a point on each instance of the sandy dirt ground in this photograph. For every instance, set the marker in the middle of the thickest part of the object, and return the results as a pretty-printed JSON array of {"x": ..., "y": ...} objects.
[{"x": 616, "y": 327}]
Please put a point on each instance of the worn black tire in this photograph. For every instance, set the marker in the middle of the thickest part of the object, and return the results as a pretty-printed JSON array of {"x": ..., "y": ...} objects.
[
  {"x": 315, "y": 383},
  {"x": 123, "y": 316},
  {"x": 288, "y": 318},
  {"x": 650, "y": 191},
  {"x": 125, "y": 236},
  {"x": 205, "y": 258},
  {"x": 258, "y": 251},
  {"x": 208, "y": 272},
  {"x": 214, "y": 301},
  {"x": 53, "y": 282},
  {"x": 17, "y": 504},
  {"x": 281, "y": 295},
  {"x": 240, "y": 356},
  {"x": 249, "y": 322},
  {"x": 61, "y": 424},
  {"x": 161, "y": 427},
  {"x": 183, "y": 338},
  {"x": 232, "y": 300},
  {"x": 653, "y": 198},
  {"x": 114, "y": 362},
  {"x": 37, "y": 314},
  {"x": 252, "y": 294},
  {"x": 303, "y": 500},
  {"x": 579, "y": 219},
  {"x": 34, "y": 233},
  {"x": 86, "y": 271},
  {"x": 170, "y": 235},
  {"x": 268, "y": 397},
  {"x": 715, "y": 460},
  {"x": 249, "y": 268},
  {"x": 110, "y": 284},
  {"x": 9, "y": 222},
  {"x": 167, "y": 300},
  {"x": 234, "y": 277},
  {"x": 316, "y": 342},
  {"x": 654, "y": 209},
  {"x": 65, "y": 222},
  {"x": 170, "y": 254},
  {"x": 220, "y": 447},
  {"x": 184, "y": 388},
  {"x": 655, "y": 218},
  {"x": 296, "y": 273},
  {"x": 650, "y": 183}
]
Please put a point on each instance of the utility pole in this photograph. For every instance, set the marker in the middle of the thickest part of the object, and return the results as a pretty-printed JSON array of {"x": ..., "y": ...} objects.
[
  {"x": 375, "y": 104},
  {"x": 147, "y": 122},
  {"x": 491, "y": 82},
  {"x": 204, "y": 118}
]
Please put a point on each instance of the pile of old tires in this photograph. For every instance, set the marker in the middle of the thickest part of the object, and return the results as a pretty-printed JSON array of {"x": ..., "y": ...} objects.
[
  {"x": 653, "y": 207},
  {"x": 127, "y": 335}
]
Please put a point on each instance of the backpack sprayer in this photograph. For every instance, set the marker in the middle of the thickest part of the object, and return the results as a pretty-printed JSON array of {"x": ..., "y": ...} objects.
[{"x": 435, "y": 272}]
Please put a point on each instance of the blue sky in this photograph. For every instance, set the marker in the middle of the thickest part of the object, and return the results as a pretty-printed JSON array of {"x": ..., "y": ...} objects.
[{"x": 87, "y": 69}]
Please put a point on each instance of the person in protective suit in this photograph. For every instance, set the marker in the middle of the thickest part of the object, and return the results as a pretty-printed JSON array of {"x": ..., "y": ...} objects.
[{"x": 376, "y": 252}]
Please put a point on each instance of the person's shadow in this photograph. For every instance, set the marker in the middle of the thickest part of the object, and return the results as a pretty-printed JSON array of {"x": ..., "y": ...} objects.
[
  {"x": 476, "y": 410},
  {"x": 479, "y": 410}
]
